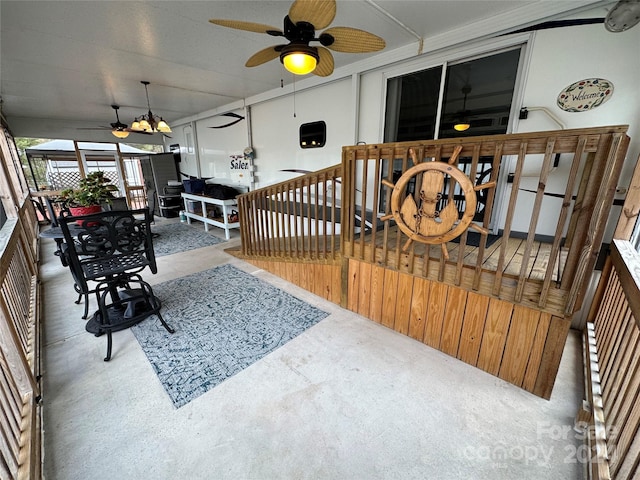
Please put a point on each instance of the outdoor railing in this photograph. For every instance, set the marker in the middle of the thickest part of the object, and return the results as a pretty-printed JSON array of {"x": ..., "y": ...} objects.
[
  {"x": 611, "y": 421},
  {"x": 573, "y": 173},
  {"x": 298, "y": 218},
  {"x": 20, "y": 420}
]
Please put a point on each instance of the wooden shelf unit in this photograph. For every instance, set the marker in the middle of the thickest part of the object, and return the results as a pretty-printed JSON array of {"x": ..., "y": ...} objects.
[{"x": 216, "y": 222}]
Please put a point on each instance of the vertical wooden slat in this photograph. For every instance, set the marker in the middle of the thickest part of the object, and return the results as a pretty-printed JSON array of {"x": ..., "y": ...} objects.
[
  {"x": 539, "y": 341},
  {"x": 363, "y": 202},
  {"x": 277, "y": 221},
  {"x": 377, "y": 293},
  {"x": 389, "y": 298},
  {"x": 473, "y": 327},
  {"x": 519, "y": 342},
  {"x": 325, "y": 223},
  {"x": 418, "y": 313},
  {"x": 307, "y": 182},
  {"x": 376, "y": 201},
  {"x": 403, "y": 303},
  {"x": 454, "y": 316},
  {"x": 564, "y": 212},
  {"x": 513, "y": 199},
  {"x": 354, "y": 281},
  {"x": 364, "y": 287},
  {"x": 435, "y": 314},
  {"x": 533, "y": 223},
  {"x": 351, "y": 202},
  {"x": 579, "y": 198},
  {"x": 550, "y": 361},
  {"x": 494, "y": 337}
]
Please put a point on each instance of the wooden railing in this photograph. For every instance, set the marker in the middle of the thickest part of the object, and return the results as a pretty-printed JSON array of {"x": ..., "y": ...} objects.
[
  {"x": 611, "y": 420},
  {"x": 20, "y": 421},
  {"x": 298, "y": 218},
  {"x": 576, "y": 169}
]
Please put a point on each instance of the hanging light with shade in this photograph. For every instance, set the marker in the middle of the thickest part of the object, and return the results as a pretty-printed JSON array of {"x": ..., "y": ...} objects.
[
  {"x": 149, "y": 122},
  {"x": 462, "y": 122}
]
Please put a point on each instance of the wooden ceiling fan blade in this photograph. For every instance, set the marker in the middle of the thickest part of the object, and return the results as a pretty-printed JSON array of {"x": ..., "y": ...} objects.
[
  {"x": 319, "y": 13},
  {"x": 263, "y": 56},
  {"x": 247, "y": 26},
  {"x": 325, "y": 64},
  {"x": 353, "y": 40}
]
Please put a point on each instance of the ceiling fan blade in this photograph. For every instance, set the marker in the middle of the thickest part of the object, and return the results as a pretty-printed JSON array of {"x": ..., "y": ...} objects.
[
  {"x": 353, "y": 40},
  {"x": 325, "y": 65},
  {"x": 319, "y": 13},
  {"x": 263, "y": 56},
  {"x": 248, "y": 26}
]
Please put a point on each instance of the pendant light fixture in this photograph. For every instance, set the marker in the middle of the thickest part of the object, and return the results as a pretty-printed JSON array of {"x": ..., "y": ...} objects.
[
  {"x": 149, "y": 122},
  {"x": 462, "y": 122}
]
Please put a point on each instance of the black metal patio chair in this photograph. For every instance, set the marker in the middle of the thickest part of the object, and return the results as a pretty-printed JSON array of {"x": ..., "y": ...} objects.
[{"x": 111, "y": 249}]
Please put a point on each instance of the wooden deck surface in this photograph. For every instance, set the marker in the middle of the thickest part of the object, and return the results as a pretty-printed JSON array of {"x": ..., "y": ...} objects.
[{"x": 514, "y": 254}]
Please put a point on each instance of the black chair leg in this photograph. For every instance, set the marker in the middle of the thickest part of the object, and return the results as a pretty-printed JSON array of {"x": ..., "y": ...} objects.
[
  {"x": 86, "y": 306},
  {"x": 165, "y": 324},
  {"x": 109, "y": 345}
]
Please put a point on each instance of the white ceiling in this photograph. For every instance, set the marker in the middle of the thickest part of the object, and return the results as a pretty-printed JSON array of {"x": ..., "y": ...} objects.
[{"x": 63, "y": 63}]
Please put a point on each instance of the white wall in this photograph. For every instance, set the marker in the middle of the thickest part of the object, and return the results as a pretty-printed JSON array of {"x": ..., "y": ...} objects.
[
  {"x": 562, "y": 56},
  {"x": 555, "y": 59},
  {"x": 217, "y": 145},
  {"x": 185, "y": 136},
  {"x": 276, "y": 130}
]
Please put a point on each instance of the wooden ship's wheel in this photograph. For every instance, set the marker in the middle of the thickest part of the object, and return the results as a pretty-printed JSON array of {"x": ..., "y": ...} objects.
[{"x": 421, "y": 221}]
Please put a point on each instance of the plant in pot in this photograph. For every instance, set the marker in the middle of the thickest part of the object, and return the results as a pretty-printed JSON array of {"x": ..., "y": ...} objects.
[{"x": 93, "y": 190}]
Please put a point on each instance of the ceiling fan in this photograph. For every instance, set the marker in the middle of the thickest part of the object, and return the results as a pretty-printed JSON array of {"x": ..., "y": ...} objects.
[
  {"x": 622, "y": 16},
  {"x": 300, "y": 25},
  {"x": 119, "y": 129}
]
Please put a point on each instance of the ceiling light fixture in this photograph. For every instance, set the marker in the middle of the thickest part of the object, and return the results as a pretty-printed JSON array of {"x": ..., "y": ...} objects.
[
  {"x": 149, "y": 122},
  {"x": 462, "y": 123},
  {"x": 299, "y": 59},
  {"x": 119, "y": 129}
]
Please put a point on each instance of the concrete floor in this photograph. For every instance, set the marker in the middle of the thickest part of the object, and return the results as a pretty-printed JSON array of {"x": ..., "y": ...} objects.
[{"x": 347, "y": 399}]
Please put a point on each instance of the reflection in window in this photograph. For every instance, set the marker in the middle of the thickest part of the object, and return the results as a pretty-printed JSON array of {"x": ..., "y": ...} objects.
[{"x": 478, "y": 91}]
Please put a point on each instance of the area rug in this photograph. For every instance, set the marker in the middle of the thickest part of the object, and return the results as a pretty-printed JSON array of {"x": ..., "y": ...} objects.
[
  {"x": 225, "y": 320},
  {"x": 179, "y": 237}
]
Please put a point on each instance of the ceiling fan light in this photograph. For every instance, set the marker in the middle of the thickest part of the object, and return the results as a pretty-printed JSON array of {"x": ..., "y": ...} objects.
[
  {"x": 120, "y": 133},
  {"x": 299, "y": 59}
]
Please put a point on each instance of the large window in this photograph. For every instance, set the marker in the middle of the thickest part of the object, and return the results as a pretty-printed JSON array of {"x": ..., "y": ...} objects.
[
  {"x": 440, "y": 102},
  {"x": 477, "y": 93}
]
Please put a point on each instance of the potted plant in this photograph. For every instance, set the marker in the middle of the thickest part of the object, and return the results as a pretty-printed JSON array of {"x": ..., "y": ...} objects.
[{"x": 92, "y": 191}]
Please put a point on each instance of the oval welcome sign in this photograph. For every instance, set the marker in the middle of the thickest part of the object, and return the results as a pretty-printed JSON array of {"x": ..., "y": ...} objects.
[{"x": 585, "y": 95}]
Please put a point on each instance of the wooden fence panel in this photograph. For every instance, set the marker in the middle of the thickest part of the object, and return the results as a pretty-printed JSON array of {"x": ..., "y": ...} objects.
[
  {"x": 20, "y": 429},
  {"x": 612, "y": 358}
]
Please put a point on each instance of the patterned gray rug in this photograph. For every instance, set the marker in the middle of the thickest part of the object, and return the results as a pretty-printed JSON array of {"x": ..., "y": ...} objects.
[
  {"x": 180, "y": 237},
  {"x": 225, "y": 320}
]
